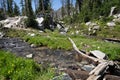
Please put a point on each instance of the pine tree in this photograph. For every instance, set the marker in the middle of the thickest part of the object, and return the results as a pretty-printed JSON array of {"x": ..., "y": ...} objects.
[
  {"x": 62, "y": 8},
  {"x": 10, "y": 7},
  {"x": 28, "y": 8},
  {"x": 2, "y": 9},
  {"x": 40, "y": 7},
  {"x": 30, "y": 22},
  {"x": 23, "y": 7},
  {"x": 16, "y": 9},
  {"x": 44, "y": 6},
  {"x": 68, "y": 7},
  {"x": 79, "y": 3}
]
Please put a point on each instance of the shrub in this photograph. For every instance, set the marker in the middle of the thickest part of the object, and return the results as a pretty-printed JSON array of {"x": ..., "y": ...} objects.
[
  {"x": 30, "y": 22},
  {"x": 17, "y": 68}
]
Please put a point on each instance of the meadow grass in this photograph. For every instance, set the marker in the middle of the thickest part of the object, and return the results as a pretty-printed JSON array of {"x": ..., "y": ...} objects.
[
  {"x": 55, "y": 40},
  {"x": 18, "y": 68}
]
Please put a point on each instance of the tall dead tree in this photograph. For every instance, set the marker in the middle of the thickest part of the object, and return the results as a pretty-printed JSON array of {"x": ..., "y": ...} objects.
[
  {"x": 68, "y": 7},
  {"x": 78, "y": 4},
  {"x": 3, "y": 5},
  {"x": 62, "y": 9}
]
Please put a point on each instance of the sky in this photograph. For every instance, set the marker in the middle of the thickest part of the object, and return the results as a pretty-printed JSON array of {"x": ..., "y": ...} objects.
[{"x": 56, "y": 4}]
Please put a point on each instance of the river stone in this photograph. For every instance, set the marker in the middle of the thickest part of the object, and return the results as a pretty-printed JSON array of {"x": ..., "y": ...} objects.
[
  {"x": 40, "y": 21},
  {"x": 31, "y": 34},
  {"x": 29, "y": 55},
  {"x": 117, "y": 20},
  {"x": 33, "y": 45},
  {"x": 1, "y": 34},
  {"x": 98, "y": 54},
  {"x": 111, "y": 24},
  {"x": 88, "y": 67},
  {"x": 62, "y": 77}
]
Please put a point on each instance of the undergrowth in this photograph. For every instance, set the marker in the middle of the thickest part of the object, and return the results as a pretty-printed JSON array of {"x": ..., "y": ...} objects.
[
  {"x": 54, "y": 40},
  {"x": 17, "y": 68}
]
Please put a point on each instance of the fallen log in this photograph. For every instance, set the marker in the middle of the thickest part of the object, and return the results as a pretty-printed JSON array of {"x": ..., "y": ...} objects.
[
  {"x": 112, "y": 40},
  {"x": 84, "y": 55},
  {"x": 111, "y": 77},
  {"x": 100, "y": 69}
]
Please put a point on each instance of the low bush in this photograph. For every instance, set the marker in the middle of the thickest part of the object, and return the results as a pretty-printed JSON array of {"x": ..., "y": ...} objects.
[
  {"x": 30, "y": 22},
  {"x": 17, "y": 68}
]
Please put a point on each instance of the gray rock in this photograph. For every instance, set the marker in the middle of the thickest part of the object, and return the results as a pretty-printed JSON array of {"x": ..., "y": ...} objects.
[
  {"x": 31, "y": 34},
  {"x": 111, "y": 12},
  {"x": 87, "y": 23},
  {"x": 1, "y": 34},
  {"x": 63, "y": 33},
  {"x": 29, "y": 55},
  {"x": 117, "y": 20},
  {"x": 98, "y": 54},
  {"x": 96, "y": 27},
  {"x": 14, "y": 22},
  {"x": 33, "y": 45},
  {"x": 62, "y": 77},
  {"x": 88, "y": 67},
  {"x": 111, "y": 24}
]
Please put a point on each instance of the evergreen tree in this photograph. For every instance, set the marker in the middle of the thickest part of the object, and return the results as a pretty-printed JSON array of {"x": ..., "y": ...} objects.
[
  {"x": 40, "y": 7},
  {"x": 44, "y": 6},
  {"x": 3, "y": 5},
  {"x": 23, "y": 7},
  {"x": 2, "y": 9},
  {"x": 79, "y": 3},
  {"x": 28, "y": 8},
  {"x": 16, "y": 10},
  {"x": 10, "y": 7},
  {"x": 30, "y": 22},
  {"x": 68, "y": 7},
  {"x": 62, "y": 8}
]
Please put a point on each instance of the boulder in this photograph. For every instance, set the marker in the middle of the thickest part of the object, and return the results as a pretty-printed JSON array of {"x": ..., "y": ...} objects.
[
  {"x": 88, "y": 68},
  {"x": 117, "y": 20},
  {"x": 31, "y": 34},
  {"x": 111, "y": 24},
  {"x": 14, "y": 22},
  {"x": 33, "y": 45},
  {"x": 87, "y": 23},
  {"x": 98, "y": 54},
  {"x": 96, "y": 27},
  {"x": 112, "y": 10},
  {"x": 92, "y": 28},
  {"x": 77, "y": 32},
  {"x": 1, "y": 34},
  {"x": 40, "y": 20},
  {"x": 29, "y": 56}
]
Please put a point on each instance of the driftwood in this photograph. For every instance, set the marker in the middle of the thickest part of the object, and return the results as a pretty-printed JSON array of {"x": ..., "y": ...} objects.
[
  {"x": 100, "y": 69},
  {"x": 84, "y": 55},
  {"x": 112, "y": 40}
]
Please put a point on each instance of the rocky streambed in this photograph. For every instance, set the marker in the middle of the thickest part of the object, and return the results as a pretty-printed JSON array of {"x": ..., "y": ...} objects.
[{"x": 66, "y": 61}]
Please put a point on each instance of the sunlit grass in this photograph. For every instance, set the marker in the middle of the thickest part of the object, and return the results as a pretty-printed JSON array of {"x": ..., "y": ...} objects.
[
  {"x": 17, "y": 68},
  {"x": 54, "y": 40}
]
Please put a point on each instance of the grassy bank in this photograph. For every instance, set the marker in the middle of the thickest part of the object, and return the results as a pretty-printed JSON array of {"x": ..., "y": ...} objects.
[
  {"x": 55, "y": 40},
  {"x": 17, "y": 68}
]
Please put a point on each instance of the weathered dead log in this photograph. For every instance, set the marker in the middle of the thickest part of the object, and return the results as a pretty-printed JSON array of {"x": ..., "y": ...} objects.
[
  {"x": 112, "y": 40},
  {"x": 96, "y": 73},
  {"x": 111, "y": 77},
  {"x": 84, "y": 55},
  {"x": 100, "y": 69}
]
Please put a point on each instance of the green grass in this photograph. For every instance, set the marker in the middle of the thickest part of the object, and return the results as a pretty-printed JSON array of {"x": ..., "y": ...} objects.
[
  {"x": 55, "y": 40},
  {"x": 17, "y": 68},
  {"x": 111, "y": 49}
]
